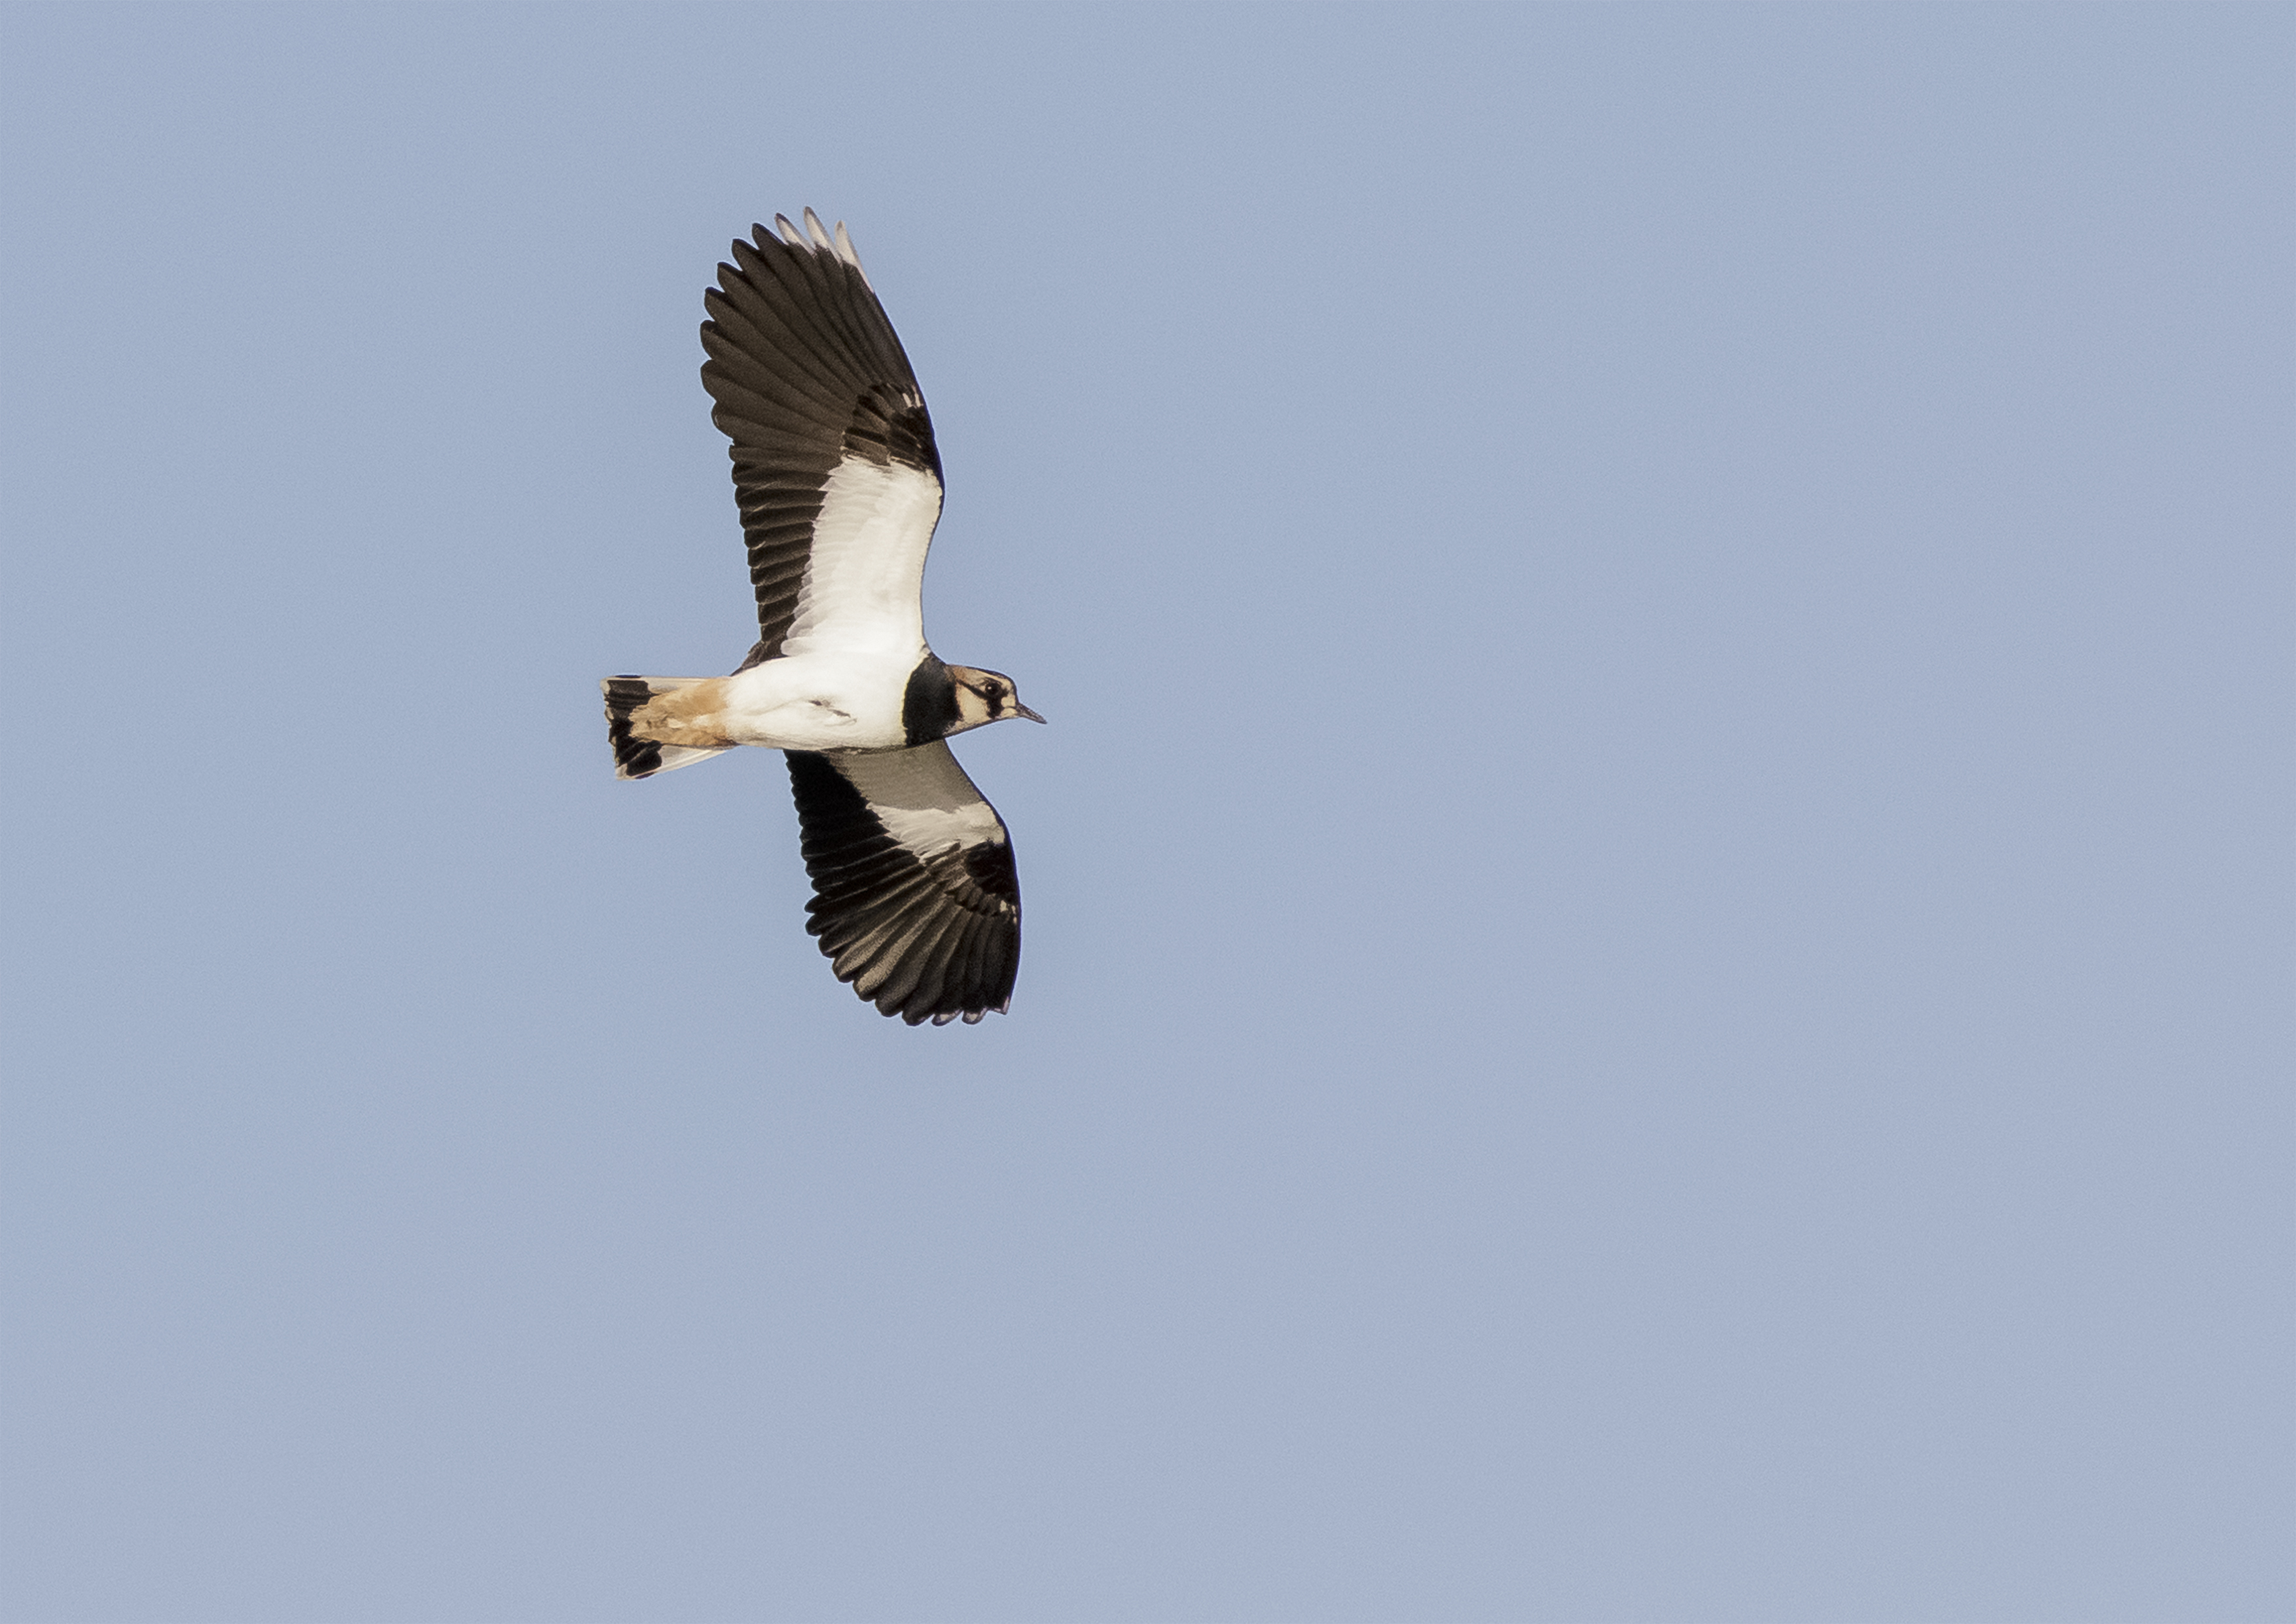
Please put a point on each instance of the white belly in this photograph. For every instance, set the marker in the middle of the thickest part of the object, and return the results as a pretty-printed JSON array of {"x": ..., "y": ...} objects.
[{"x": 820, "y": 702}]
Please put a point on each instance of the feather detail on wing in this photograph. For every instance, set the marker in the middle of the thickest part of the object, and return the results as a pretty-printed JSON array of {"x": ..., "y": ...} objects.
[
  {"x": 834, "y": 464},
  {"x": 915, "y": 898}
]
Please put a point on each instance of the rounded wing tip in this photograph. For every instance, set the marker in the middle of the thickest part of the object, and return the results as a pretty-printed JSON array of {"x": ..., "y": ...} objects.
[
  {"x": 811, "y": 237},
  {"x": 970, "y": 1017}
]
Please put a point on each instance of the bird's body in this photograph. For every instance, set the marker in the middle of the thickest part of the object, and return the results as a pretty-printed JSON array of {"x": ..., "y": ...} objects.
[
  {"x": 915, "y": 899},
  {"x": 829, "y": 700},
  {"x": 822, "y": 701}
]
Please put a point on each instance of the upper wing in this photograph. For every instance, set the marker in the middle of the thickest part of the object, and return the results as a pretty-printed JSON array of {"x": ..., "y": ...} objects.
[
  {"x": 915, "y": 899},
  {"x": 833, "y": 457}
]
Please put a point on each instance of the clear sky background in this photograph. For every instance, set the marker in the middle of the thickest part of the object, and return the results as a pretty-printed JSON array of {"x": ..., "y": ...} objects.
[{"x": 1658, "y": 904}]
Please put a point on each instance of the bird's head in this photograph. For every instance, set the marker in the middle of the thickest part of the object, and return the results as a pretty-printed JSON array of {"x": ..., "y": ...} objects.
[{"x": 983, "y": 697}]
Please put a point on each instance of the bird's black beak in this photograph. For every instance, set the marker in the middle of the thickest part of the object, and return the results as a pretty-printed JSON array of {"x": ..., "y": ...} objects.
[{"x": 1025, "y": 711}]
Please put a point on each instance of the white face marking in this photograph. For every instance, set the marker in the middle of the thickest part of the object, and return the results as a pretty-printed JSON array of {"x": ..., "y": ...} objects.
[
  {"x": 864, "y": 577},
  {"x": 971, "y": 706}
]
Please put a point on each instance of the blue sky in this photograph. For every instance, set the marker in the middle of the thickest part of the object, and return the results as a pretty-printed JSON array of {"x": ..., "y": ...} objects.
[{"x": 1658, "y": 915}]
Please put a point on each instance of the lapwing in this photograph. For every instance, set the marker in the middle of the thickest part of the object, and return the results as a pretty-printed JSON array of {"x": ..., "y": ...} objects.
[{"x": 915, "y": 901}]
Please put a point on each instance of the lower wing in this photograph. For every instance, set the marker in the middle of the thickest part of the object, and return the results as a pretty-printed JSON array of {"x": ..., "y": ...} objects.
[{"x": 915, "y": 899}]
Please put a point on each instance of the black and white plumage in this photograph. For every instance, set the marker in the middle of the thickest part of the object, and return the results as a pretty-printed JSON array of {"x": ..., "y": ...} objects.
[{"x": 915, "y": 899}]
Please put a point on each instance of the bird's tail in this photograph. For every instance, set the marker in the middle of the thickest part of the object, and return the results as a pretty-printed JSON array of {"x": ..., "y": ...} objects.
[{"x": 636, "y": 758}]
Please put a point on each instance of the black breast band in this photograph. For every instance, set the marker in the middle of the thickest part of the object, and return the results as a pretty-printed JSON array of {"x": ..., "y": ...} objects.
[{"x": 928, "y": 705}]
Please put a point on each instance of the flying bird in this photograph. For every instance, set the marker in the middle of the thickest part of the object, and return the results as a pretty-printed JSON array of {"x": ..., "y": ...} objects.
[{"x": 915, "y": 900}]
